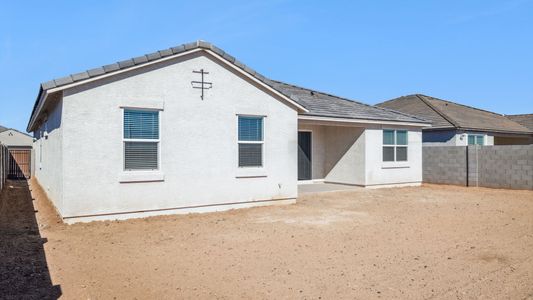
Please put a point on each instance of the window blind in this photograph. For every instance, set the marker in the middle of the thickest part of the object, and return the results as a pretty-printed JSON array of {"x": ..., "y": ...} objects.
[
  {"x": 250, "y": 141},
  {"x": 140, "y": 155},
  {"x": 250, "y": 155},
  {"x": 141, "y": 140},
  {"x": 140, "y": 124},
  {"x": 250, "y": 128}
]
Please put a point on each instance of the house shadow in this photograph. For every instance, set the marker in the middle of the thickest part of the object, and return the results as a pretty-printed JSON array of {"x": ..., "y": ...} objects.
[{"x": 24, "y": 272}]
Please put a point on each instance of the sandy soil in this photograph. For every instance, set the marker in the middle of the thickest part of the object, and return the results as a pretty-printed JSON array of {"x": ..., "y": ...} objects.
[{"x": 431, "y": 242}]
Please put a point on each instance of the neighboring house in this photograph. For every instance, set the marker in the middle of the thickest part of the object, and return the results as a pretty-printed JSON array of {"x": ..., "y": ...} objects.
[
  {"x": 20, "y": 148},
  {"x": 525, "y": 120},
  {"x": 193, "y": 129},
  {"x": 459, "y": 125},
  {"x": 13, "y": 138}
]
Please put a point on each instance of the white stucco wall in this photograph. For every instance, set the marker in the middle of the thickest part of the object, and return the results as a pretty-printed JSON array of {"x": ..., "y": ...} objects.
[
  {"x": 198, "y": 149},
  {"x": 48, "y": 156},
  {"x": 461, "y": 138},
  {"x": 455, "y": 138},
  {"x": 386, "y": 173},
  {"x": 13, "y": 138},
  {"x": 345, "y": 155}
]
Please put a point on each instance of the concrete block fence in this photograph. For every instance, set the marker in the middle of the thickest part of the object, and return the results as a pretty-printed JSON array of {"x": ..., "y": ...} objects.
[{"x": 508, "y": 167}]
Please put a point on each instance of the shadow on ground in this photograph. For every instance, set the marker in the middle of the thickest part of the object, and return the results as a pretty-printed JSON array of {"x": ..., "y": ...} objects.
[{"x": 23, "y": 269}]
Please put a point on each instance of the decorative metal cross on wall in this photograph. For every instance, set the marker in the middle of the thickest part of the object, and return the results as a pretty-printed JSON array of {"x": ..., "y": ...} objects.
[{"x": 203, "y": 85}]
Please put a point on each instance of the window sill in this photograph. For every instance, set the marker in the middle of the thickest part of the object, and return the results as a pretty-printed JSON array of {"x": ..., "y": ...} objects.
[
  {"x": 141, "y": 176},
  {"x": 395, "y": 165},
  {"x": 250, "y": 172}
]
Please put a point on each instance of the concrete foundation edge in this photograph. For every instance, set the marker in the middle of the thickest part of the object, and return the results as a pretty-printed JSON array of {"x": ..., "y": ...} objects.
[
  {"x": 175, "y": 211},
  {"x": 377, "y": 186}
]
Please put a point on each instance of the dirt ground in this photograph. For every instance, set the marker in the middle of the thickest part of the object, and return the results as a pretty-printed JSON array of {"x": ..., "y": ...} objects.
[{"x": 430, "y": 242}]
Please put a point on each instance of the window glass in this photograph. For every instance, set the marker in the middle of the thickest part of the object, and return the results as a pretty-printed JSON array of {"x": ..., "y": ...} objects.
[
  {"x": 140, "y": 156},
  {"x": 250, "y": 141},
  {"x": 388, "y": 137},
  {"x": 474, "y": 139},
  {"x": 395, "y": 145},
  {"x": 250, "y": 128},
  {"x": 250, "y": 155},
  {"x": 401, "y": 153},
  {"x": 140, "y": 124},
  {"x": 388, "y": 153},
  {"x": 141, "y": 140},
  {"x": 401, "y": 137}
]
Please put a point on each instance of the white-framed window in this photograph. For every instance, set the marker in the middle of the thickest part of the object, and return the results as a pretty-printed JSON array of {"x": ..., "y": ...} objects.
[
  {"x": 394, "y": 145},
  {"x": 476, "y": 139},
  {"x": 250, "y": 141},
  {"x": 141, "y": 139}
]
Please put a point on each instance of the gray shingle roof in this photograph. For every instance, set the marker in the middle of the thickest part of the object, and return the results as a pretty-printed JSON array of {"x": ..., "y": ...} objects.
[
  {"x": 412, "y": 104},
  {"x": 324, "y": 105},
  {"x": 2, "y": 128},
  {"x": 143, "y": 59},
  {"x": 327, "y": 105},
  {"x": 447, "y": 114},
  {"x": 525, "y": 120}
]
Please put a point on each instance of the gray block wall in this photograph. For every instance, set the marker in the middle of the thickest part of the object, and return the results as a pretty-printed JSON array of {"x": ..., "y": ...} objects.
[
  {"x": 502, "y": 166},
  {"x": 444, "y": 164},
  {"x": 485, "y": 166}
]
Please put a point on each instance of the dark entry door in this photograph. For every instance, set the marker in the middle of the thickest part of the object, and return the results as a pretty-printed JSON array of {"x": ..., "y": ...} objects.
[{"x": 304, "y": 155}]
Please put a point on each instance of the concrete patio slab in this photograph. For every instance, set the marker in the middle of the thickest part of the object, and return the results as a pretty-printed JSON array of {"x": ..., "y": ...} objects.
[{"x": 324, "y": 187}]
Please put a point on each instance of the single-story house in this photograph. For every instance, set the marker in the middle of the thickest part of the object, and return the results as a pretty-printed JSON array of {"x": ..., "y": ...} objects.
[
  {"x": 20, "y": 146},
  {"x": 192, "y": 129},
  {"x": 454, "y": 124},
  {"x": 525, "y": 120},
  {"x": 15, "y": 139}
]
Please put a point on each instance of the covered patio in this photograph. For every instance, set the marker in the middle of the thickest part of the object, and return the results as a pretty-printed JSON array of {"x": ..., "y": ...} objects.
[{"x": 341, "y": 141}]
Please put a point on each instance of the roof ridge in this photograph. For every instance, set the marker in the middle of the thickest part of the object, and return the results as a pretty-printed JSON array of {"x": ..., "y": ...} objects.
[
  {"x": 16, "y": 130},
  {"x": 467, "y": 106},
  {"x": 397, "y": 98},
  {"x": 464, "y": 105},
  {"x": 350, "y": 100},
  {"x": 438, "y": 111}
]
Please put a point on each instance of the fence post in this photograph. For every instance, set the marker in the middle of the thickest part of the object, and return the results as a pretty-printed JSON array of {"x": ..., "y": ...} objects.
[
  {"x": 3, "y": 166},
  {"x": 467, "y": 167}
]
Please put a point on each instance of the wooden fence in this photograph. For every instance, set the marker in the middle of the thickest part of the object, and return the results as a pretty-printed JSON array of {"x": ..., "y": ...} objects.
[
  {"x": 4, "y": 165},
  {"x": 20, "y": 163}
]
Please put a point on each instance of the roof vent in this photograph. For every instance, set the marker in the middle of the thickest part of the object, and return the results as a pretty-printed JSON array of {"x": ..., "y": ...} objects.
[{"x": 312, "y": 93}]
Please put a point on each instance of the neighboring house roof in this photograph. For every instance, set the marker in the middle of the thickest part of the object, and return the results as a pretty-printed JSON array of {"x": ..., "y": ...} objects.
[
  {"x": 525, "y": 120},
  {"x": 2, "y": 128},
  {"x": 14, "y": 138},
  {"x": 335, "y": 110},
  {"x": 327, "y": 105},
  {"x": 446, "y": 114}
]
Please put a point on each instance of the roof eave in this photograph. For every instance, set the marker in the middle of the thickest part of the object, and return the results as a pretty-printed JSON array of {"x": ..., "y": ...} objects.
[
  {"x": 494, "y": 130},
  {"x": 311, "y": 117},
  {"x": 39, "y": 103}
]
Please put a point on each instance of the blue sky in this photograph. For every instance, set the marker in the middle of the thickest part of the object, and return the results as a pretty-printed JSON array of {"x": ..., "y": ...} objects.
[{"x": 478, "y": 53}]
